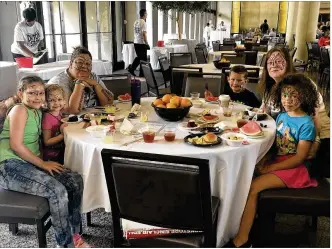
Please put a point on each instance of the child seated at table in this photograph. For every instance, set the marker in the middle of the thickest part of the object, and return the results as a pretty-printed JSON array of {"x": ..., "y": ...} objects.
[
  {"x": 237, "y": 79},
  {"x": 294, "y": 138},
  {"x": 23, "y": 170},
  {"x": 4, "y": 106},
  {"x": 52, "y": 126}
]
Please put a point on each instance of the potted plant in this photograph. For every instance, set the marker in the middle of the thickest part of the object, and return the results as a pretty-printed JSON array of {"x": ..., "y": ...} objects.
[{"x": 181, "y": 6}]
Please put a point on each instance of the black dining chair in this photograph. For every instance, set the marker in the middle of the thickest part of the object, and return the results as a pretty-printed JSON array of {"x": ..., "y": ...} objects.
[
  {"x": 251, "y": 57},
  {"x": 238, "y": 58},
  {"x": 179, "y": 75},
  {"x": 165, "y": 191},
  {"x": 215, "y": 45},
  {"x": 165, "y": 69},
  {"x": 118, "y": 84},
  {"x": 223, "y": 47},
  {"x": 153, "y": 87},
  {"x": 200, "y": 56},
  {"x": 178, "y": 59},
  {"x": 197, "y": 82}
]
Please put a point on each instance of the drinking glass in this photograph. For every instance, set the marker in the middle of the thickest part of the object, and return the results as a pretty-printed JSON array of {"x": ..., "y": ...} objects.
[
  {"x": 110, "y": 108},
  {"x": 109, "y": 137},
  {"x": 194, "y": 96},
  {"x": 227, "y": 111},
  {"x": 169, "y": 134},
  {"x": 144, "y": 116}
]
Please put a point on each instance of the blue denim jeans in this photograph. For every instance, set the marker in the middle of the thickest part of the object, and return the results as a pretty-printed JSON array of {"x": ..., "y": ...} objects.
[{"x": 63, "y": 191}]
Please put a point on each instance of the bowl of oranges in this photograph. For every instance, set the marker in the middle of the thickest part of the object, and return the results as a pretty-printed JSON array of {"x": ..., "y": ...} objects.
[
  {"x": 219, "y": 64},
  {"x": 172, "y": 107}
]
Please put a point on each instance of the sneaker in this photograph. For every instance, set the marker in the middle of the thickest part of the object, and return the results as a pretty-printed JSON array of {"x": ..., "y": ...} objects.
[{"x": 79, "y": 242}]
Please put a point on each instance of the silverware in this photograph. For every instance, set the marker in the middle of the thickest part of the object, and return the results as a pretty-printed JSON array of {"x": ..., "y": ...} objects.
[{"x": 139, "y": 139}]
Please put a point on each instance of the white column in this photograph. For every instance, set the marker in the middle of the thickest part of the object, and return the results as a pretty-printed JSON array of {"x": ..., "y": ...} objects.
[
  {"x": 291, "y": 22},
  {"x": 161, "y": 25},
  {"x": 149, "y": 22},
  {"x": 301, "y": 28},
  {"x": 169, "y": 22},
  {"x": 196, "y": 36},
  {"x": 192, "y": 26},
  {"x": 312, "y": 20}
]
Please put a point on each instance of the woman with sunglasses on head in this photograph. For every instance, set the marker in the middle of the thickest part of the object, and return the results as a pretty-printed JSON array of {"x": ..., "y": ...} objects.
[{"x": 28, "y": 36}]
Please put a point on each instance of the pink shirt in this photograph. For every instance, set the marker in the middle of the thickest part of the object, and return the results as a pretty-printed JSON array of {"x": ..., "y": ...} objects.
[{"x": 52, "y": 123}]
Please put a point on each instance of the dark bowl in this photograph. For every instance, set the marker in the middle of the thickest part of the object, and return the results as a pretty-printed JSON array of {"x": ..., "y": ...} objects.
[
  {"x": 172, "y": 114},
  {"x": 220, "y": 65}
]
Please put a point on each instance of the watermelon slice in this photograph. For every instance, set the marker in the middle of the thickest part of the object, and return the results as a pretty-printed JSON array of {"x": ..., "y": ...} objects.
[
  {"x": 211, "y": 98},
  {"x": 252, "y": 128},
  {"x": 125, "y": 97}
]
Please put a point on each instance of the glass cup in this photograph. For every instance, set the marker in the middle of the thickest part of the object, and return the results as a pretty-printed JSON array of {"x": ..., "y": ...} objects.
[
  {"x": 110, "y": 109},
  {"x": 109, "y": 137},
  {"x": 227, "y": 110},
  {"x": 169, "y": 134},
  {"x": 241, "y": 122},
  {"x": 224, "y": 100},
  {"x": 149, "y": 133},
  {"x": 144, "y": 116},
  {"x": 194, "y": 96}
]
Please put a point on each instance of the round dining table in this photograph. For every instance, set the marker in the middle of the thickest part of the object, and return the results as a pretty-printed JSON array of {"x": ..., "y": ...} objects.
[{"x": 231, "y": 168}]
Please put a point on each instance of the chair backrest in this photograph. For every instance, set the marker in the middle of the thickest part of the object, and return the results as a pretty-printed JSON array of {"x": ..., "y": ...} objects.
[
  {"x": 226, "y": 47},
  {"x": 248, "y": 45},
  {"x": 149, "y": 76},
  {"x": 263, "y": 41},
  {"x": 200, "y": 56},
  {"x": 178, "y": 59},
  {"x": 178, "y": 78},
  {"x": 262, "y": 48},
  {"x": 118, "y": 84},
  {"x": 197, "y": 83},
  {"x": 315, "y": 50},
  {"x": 229, "y": 41},
  {"x": 165, "y": 68},
  {"x": 164, "y": 191},
  {"x": 251, "y": 57},
  {"x": 292, "y": 52},
  {"x": 325, "y": 56},
  {"x": 252, "y": 72},
  {"x": 239, "y": 58},
  {"x": 215, "y": 45}
]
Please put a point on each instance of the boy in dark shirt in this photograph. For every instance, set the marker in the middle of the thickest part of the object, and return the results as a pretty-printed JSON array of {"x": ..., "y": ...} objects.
[{"x": 235, "y": 89}]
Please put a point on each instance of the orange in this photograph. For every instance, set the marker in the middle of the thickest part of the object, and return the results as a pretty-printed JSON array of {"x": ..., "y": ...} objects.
[
  {"x": 176, "y": 100},
  {"x": 185, "y": 102},
  {"x": 158, "y": 102},
  {"x": 161, "y": 106},
  {"x": 166, "y": 98},
  {"x": 170, "y": 105}
]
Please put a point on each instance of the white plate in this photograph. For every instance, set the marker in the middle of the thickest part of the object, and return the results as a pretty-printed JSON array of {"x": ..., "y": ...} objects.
[
  {"x": 120, "y": 100},
  {"x": 102, "y": 108},
  {"x": 183, "y": 126},
  {"x": 65, "y": 120},
  {"x": 96, "y": 130}
]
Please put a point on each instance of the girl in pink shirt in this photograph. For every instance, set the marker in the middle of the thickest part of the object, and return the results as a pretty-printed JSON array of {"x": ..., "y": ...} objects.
[{"x": 52, "y": 126}]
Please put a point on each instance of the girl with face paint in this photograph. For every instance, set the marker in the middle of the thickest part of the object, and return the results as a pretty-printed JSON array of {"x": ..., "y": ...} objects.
[
  {"x": 289, "y": 167},
  {"x": 22, "y": 168}
]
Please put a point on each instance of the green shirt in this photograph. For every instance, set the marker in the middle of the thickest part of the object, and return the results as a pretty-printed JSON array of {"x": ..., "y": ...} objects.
[{"x": 32, "y": 131}]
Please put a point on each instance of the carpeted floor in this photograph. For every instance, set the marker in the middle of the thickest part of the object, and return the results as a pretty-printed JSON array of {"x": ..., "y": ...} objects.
[{"x": 289, "y": 233}]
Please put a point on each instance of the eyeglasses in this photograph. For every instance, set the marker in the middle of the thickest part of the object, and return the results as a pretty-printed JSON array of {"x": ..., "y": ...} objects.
[
  {"x": 36, "y": 94},
  {"x": 80, "y": 64}
]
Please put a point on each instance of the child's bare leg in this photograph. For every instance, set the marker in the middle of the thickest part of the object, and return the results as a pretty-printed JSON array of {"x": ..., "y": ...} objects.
[{"x": 267, "y": 181}]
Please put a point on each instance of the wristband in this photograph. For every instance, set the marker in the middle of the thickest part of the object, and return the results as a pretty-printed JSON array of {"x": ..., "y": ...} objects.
[
  {"x": 80, "y": 83},
  {"x": 317, "y": 139}
]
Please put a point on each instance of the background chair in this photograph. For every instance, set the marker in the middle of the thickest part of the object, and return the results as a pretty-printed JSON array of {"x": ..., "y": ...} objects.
[
  {"x": 223, "y": 47},
  {"x": 151, "y": 83},
  {"x": 262, "y": 48},
  {"x": 292, "y": 52},
  {"x": 165, "y": 69},
  {"x": 16, "y": 207},
  {"x": 118, "y": 84},
  {"x": 251, "y": 57},
  {"x": 164, "y": 191},
  {"x": 178, "y": 78},
  {"x": 239, "y": 58},
  {"x": 215, "y": 45},
  {"x": 178, "y": 59},
  {"x": 312, "y": 202},
  {"x": 214, "y": 82},
  {"x": 200, "y": 56}
]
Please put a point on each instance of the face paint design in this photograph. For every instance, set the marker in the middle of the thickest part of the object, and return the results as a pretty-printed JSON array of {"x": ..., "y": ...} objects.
[
  {"x": 81, "y": 66},
  {"x": 34, "y": 95},
  {"x": 236, "y": 82},
  {"x": 290, "y": 99},
  {"x": 276, "y": 65},
  {"x": 55, "y": 101}
]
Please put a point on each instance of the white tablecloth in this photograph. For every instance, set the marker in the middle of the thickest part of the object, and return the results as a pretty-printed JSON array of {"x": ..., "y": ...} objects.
[
  {"x": 8, "y": 79},
  {"x": 217, "y": 35},
  {"x": 215, "y": 55},
  {"x": 159, "y": 51},
  {"x": 48, "y": 70},
  {"x": 231, "y": 168},
  {"x": 128, "y": 54},
  {"x": 173, "y": 36}
]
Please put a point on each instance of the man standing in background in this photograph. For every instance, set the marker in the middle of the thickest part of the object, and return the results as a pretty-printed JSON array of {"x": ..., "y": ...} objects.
[
  {"x": 140, "y": 42},
  {"x": 264, "y": 27},
  {"x": 28, "y": 36}
]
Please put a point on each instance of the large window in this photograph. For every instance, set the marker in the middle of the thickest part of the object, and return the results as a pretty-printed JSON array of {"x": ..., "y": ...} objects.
[{"x": 68, "y": 24}]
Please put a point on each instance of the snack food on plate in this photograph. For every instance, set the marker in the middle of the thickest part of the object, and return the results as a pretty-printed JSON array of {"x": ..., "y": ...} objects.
[
  {"x": 209, "y": 117},
  {"x": 208, "y": 138},
  {"x": 191, "y": 124},
  {"x": 73, "y": 119},
  {"x": 125, "y": 97}
]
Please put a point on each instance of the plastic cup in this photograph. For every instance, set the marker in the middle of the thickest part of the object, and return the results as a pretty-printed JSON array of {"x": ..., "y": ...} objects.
[
  {"x": 241, "y": 122},
  {"x": 227, "y": 110},
  {"x": 224, "y": 100},
  {"x": 194, "y": 95},
  {"x": 169, "y": 134}
]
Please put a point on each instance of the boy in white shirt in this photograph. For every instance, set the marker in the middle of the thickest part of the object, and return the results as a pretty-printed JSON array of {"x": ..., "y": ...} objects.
[
  {"x": 140, "y": 42},
  {"x": 28, "y": 36}
]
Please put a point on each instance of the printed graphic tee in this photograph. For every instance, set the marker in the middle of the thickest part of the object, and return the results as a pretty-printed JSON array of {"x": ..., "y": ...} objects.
[
  {"x": 139, "y": 28},
  {"x": 30, "y": 35}
]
